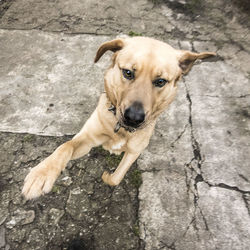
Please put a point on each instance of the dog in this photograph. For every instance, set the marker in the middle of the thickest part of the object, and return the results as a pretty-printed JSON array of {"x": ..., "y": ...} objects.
[{"x": 140, "y": 83}]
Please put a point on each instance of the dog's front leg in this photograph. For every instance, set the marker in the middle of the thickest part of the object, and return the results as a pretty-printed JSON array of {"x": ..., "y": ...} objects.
[
  {"x": 42, "y": 177},
  {"x": 126, "y": 162}
]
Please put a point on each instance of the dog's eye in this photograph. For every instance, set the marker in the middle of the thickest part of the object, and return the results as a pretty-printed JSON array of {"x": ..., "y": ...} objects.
[
  {"x": 160, "y": 82},
  {"x": 128, "y": 74}
]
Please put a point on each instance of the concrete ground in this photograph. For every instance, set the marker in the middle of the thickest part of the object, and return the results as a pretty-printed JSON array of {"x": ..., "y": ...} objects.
[{"x": 190, "y": 190}]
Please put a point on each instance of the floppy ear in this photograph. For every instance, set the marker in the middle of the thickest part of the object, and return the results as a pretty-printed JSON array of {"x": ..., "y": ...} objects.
[
  {"x": 188, "y": 58},
  {"x": 113, "y": 45}
]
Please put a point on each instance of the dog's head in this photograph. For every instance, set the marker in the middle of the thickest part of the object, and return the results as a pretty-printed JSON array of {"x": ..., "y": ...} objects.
[{"x": 142, "y": 79}]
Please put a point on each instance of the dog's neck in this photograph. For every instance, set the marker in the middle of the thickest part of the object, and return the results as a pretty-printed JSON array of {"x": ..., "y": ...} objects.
[{"x": 112, "y": 108}]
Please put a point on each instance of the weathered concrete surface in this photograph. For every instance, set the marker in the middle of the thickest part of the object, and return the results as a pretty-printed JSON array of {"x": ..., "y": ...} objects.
[
  {"x": 220, "y": 21},
  {"x": 220, "y": 121},
  {"x": 49, "y": 83},
  {"x": 195, "y": 192},
  {"x": 196, "y": 183}
]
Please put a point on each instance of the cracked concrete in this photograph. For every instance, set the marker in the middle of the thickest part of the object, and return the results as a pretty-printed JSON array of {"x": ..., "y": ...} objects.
[
  {"x": 61, "y": 62},
  {"x": 195, "y": 191},
  {"x": 214, "y": 166}
]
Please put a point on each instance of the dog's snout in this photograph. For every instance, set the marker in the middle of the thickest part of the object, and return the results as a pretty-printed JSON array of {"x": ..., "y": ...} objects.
[{"x": 134, "y": 115}]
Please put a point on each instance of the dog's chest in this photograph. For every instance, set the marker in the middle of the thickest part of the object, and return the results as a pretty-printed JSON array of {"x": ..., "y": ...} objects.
[
  {"x": 118, "y": 145},
  {"x": 115, "y": 146}
]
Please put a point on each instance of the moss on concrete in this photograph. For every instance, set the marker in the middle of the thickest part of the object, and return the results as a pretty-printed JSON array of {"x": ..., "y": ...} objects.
[
  {"x": 135, "y": 178},
  {"x": 134, "y": 33}
]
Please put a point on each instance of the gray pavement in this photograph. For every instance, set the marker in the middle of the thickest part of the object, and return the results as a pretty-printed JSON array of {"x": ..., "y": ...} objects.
[{"x": 195, "y": 191}]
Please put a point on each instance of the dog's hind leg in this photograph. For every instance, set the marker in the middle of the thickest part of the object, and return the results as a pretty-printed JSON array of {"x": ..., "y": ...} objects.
[
  {"x": 126, "y": 162},
  {"x": 42, "y": 177}
]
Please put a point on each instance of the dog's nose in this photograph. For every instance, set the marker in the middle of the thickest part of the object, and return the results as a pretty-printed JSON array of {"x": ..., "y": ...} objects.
[{"x": 134, "y": 115}]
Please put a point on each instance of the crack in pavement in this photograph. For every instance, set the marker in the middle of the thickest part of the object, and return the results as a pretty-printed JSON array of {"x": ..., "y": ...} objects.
[
  {"x": 246, "y": 199},
  {"x": 226, "y": 97},
  {"x": 60, "y": 32},
  {"x": 225, "y": 186},
  {"x": 192, "y": 181},
  {"x": 179, "y": 136},
  {"x": 199, "y": 159},
  {"x": 170, "y": 247}
]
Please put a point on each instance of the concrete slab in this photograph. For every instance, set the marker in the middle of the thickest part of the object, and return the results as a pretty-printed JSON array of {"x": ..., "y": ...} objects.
[
  {"x": 162, "y": 19},
  {"x": 204, "y": 232},
  {"x": 196, "y": 167},
  {"x": 220, "y": 120},
  {"x": 165, "y": 215},
  {"x": 92, "y": 17},
  {"x": 48, "y": 82},
  {"x": 176, "y": 220}
]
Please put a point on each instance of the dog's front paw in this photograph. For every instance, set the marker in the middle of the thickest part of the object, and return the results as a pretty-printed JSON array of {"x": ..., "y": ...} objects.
[
  {"x": 109, "y": 179},
  {"x": 40, "y": 180}
]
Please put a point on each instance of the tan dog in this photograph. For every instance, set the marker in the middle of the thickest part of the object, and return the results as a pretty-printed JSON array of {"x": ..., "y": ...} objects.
[{"x": 139, "y": 85}]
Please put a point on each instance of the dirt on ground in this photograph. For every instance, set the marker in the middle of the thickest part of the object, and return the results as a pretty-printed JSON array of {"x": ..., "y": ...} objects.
[{"x": 80, "y": 208}]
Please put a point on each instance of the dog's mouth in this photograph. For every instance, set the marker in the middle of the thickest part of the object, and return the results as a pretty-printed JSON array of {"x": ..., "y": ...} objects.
[
  {"x": 123, "y": 123},
  {"x": 120, "y": 124},
  {"x": 128, "y": 126}
]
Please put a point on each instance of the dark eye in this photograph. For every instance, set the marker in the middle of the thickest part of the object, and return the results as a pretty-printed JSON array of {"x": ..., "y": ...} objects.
[
  {"x": 160, "y": 82},
  {"x": 128, "y": 74}
]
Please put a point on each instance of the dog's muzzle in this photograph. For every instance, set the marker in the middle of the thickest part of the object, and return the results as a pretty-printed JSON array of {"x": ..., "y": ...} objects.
[
  {"x": 134, "y": 115},
  {"x": 132, "y": 118}
]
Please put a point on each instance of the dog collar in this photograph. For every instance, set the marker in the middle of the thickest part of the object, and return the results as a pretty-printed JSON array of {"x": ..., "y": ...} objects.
[
  {"x": 112, "y": 109},
  {"x": 118, "y": 125}
]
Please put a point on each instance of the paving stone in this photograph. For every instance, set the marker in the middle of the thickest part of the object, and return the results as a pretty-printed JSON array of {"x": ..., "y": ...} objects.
[
  {"x": 228, "y": 51},
  {"x": 58, "y": 67},
  {"x": 75, "y": 17},
  {"x": 223, "y": 141},
  {"x": 242, "y": 64},
  {"x": 204, "y": 46},
  {"x": 227, "y": 232},
  {"x": 205, "y": 232},
  {"x": 211, "y": 150},
  {"x": 172, "y": 206},
  {"x": 186, "y": 45}
]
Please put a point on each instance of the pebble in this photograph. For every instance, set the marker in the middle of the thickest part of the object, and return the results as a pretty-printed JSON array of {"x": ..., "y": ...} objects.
[{"x": 21, "y": 217}]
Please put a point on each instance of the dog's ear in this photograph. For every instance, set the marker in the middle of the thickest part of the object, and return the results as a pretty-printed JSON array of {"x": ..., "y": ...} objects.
[
  {"x": 187, "y": 59},
  {"x": 113, "y": 45}
]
